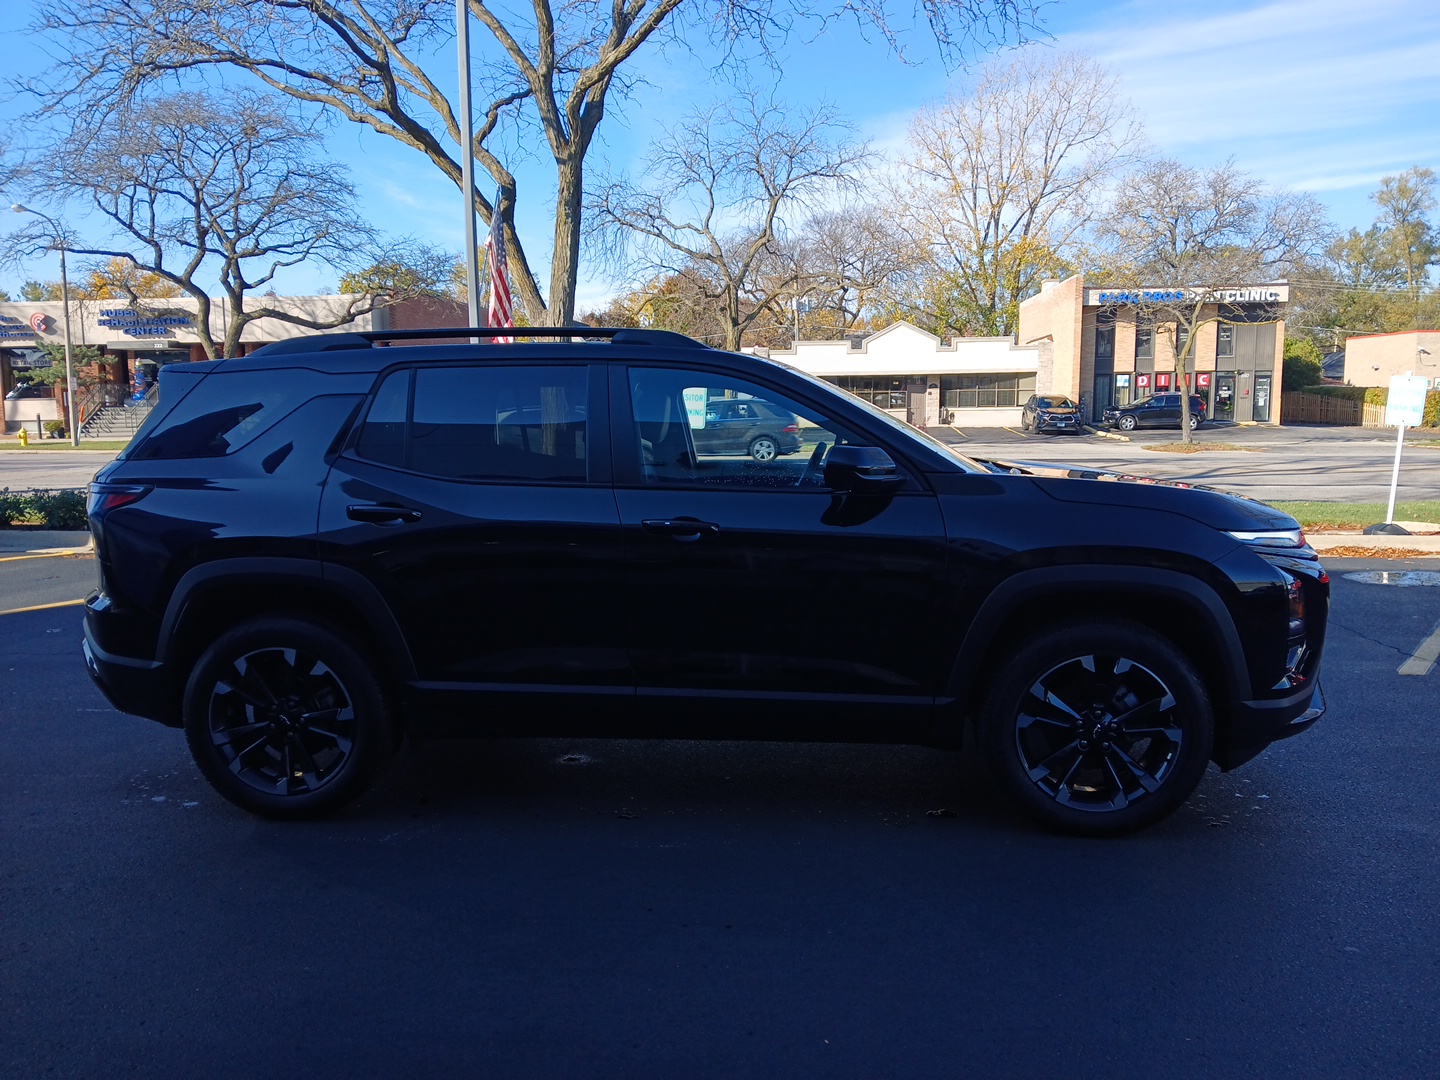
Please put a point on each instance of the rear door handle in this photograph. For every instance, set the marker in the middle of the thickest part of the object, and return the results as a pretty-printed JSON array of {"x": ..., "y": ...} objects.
[
  {"x": 683, "y": 529},
  {"x": 381, "y": 515}
]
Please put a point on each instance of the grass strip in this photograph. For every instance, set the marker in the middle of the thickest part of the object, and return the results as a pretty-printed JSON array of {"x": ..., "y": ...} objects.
[{"x": 1318, "y": 516}]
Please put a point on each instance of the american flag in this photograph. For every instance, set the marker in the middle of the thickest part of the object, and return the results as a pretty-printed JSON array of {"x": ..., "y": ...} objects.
[{"x": 500, "y": 313}]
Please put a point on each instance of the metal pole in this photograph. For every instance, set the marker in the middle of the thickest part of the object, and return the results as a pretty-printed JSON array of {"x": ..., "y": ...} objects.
[
  {"x": 1395, "y": 475},
  {"x": 69, "y": 362},
  {"x": 467, "y": 163}
]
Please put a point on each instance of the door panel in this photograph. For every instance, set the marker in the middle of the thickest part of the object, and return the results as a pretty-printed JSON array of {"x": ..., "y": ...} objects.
[
  {"x": 748, "y": 578},
  {"x": 508, "y": 570}
]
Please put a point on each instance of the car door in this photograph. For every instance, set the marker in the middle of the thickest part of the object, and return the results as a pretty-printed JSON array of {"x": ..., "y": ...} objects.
[
  {"x": 751, "y": 581},
  {"x": 476, "y": 498}
]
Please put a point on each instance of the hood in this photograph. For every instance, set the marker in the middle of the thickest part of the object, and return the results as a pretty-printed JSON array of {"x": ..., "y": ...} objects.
[
  {"x": 1057, "y": 410},
  {"x": 1225, "y": 510}
]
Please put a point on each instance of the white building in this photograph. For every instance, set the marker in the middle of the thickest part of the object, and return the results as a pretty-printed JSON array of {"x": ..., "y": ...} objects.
[{"x": 914, "y": 375}]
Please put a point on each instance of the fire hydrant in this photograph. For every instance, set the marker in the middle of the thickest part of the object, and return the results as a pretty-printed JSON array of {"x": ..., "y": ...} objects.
[{"x": 24, "y": 437}]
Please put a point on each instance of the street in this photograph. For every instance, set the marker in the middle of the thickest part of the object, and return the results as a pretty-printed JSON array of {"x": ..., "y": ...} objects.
[{"x": 545, "y": 908}]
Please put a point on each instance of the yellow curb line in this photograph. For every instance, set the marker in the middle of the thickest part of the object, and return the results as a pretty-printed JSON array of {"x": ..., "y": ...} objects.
[
  {"x": 42, "y": 607},
  {"x": 68, "y": 553}
]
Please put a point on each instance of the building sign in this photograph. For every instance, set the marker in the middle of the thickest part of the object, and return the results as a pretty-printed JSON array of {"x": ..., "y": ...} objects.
[
  {"x": 1162, "y": 380},
  {"x": 40, "y": 322},
  {"x": 11, "y": 327},
  {"x": 1255, "y": 294},
  {"x": 133, "y": 324},
  {"x": 1142, "y": 381},
  {"x": 1202, "y": 379}
]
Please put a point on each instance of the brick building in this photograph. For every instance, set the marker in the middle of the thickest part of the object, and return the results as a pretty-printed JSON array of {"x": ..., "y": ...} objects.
[{"x": 1105, "y": 352}]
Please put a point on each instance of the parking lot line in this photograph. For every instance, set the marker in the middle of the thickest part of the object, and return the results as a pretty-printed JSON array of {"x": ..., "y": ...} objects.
[
  {"x": 1425, "y": 655},
  {"x": 42, "y": 607},
  {"x": 40, "y": 555}
]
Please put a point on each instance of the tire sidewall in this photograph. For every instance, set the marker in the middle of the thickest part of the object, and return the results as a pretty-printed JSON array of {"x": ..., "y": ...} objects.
[
  {"x": 1127, "y": 423},
  {"x": 374, "y": 736},
  {"x": 764, "y": 440},
  {"x": 997, "y": 724}
]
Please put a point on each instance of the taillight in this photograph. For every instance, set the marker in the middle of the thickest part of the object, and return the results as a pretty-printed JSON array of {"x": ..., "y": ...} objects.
[
  {"x": 107, "y": 497},
  {"x": 791, "y": 429}
]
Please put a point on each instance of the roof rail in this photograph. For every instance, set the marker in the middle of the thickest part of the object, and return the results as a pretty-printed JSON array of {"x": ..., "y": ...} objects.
[{"x": 366, "y": 339}]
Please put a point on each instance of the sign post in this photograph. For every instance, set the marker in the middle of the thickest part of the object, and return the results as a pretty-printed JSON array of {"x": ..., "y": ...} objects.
[{"x": 1405, "y": 407}]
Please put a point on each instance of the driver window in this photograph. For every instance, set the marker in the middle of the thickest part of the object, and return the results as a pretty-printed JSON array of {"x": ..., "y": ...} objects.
[{"x": 703, "y": 428}]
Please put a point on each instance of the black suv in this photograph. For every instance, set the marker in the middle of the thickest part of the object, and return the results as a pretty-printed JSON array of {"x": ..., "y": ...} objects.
[
  {"x": 310, "y": 551},
  {"x": 1158, "y": 410}
]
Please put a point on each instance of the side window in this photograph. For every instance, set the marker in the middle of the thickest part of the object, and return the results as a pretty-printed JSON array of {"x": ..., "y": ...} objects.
[
  {"x": 225, "y": 411},
  {"x": 480, "y": 423},
  {"x": 704, "y": 428}
]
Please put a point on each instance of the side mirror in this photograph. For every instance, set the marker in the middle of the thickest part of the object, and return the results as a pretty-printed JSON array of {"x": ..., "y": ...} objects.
[{"x": 861, "y": 470}]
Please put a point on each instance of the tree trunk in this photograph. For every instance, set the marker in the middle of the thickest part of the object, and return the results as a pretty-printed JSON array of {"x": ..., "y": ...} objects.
[{"x": 571, "y": 172}]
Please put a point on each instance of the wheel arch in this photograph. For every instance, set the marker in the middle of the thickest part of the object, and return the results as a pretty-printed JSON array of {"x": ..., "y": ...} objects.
[
  {"x": 211, "y": 599},
  {"x": 1193, "y": 617}
]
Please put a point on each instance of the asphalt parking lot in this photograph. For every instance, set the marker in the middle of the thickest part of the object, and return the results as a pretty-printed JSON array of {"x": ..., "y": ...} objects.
[{"x": 568, "y": 907}]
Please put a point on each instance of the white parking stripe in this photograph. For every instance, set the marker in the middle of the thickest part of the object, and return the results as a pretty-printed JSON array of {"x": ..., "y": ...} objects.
[{"x": 1425, "y": 655}]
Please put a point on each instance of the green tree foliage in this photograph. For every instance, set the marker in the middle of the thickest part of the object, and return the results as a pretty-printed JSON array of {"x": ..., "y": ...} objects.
[{"x": 1302, "y": 364}]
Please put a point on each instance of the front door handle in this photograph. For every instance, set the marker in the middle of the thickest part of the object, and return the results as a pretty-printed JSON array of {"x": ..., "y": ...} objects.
[
  {"x": 682, "y": 529},
  {"x": 381, "y": 515}
]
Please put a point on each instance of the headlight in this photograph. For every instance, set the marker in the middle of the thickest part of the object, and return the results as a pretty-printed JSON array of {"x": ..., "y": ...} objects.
[{"x": 1271, "y": 538}]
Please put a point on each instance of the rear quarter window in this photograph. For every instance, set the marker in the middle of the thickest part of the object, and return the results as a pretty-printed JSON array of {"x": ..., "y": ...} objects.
[{"x": 227, "y": 410}]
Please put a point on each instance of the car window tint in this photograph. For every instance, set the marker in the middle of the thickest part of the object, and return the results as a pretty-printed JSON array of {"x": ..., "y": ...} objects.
[
  {"x": 705, "y": 428},
  {"x": 225, "y": 411},
  {"x": 520, "y": 422}
]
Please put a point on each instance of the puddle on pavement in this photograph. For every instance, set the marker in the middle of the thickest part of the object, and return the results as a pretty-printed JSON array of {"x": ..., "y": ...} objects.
[{"x": 1402, "y": 578}]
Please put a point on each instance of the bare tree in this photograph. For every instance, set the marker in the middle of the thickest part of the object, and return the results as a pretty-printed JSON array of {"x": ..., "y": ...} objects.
[
  {"x": 197, "y": 189},
  {"x": 1000, "y": 182},
  {"x": 712, "y": 205},
  {"x": 555, "y": 65},
  {"x": 842, "y": 261},
  {"x": 1177, "y": 238}
]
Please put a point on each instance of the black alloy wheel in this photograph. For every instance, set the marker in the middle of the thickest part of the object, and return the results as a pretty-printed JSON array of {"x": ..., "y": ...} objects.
[
  {"x": 286, "y": 719},
  {"x": 764, "y": 448},
  {"x": 1098, "y": 728}
]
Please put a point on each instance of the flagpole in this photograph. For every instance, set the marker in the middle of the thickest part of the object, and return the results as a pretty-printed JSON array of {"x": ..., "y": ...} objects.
[{"x": 467, "y": 163}]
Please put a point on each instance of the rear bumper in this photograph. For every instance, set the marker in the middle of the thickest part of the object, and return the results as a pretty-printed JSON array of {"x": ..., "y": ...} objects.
[
  {"x": 140, "y": 687},
  {"x": 1254, "y": 725}
]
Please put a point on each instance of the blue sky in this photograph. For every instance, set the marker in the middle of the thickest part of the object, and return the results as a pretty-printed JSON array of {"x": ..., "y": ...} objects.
[{"x": 1325, "y": 96}]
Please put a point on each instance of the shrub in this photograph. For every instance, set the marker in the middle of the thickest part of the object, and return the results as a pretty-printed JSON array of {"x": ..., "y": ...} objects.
[
  {"x": 54, "y": 427},
  {"x": 1302, "y": 368},
  {"x": 12, "y": 507},
  {"x": 49, "y": 509},
  {"x": 59, "y": 509}
]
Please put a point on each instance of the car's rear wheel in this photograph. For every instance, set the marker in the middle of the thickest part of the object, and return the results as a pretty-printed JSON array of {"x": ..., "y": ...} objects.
[
  {"x": 1128, "y": 422},
  {"x": 286, "y": 718},
  {"x": 1098, "y": 728},
  {"x": 1194, "y": 421},
  {"x": 764, "y": 448}
]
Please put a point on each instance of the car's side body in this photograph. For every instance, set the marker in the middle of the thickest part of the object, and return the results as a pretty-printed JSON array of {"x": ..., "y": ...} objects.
[{"x": 590, "y": 566}]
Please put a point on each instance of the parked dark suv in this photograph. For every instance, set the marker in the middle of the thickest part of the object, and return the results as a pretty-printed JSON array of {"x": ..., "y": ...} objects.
[
  {"x": 1048, "y": 412},
  {"x": 747, "y": 426},
  {"x": 1158, "y": 410},
  {"x": 308, "y": 552}
]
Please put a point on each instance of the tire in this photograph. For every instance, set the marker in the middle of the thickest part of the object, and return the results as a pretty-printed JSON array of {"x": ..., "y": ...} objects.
[
  {"x": 764, "y": 448},
  {"x": 1195, "y": 421},
  {"x": 253, "y": 710},
  {"x": 1127, "y": 423},
  {"x": 1119, "y": 739}
]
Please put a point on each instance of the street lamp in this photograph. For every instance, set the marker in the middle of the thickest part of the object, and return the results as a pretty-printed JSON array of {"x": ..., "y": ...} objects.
[{"x": 70, "y": 395}]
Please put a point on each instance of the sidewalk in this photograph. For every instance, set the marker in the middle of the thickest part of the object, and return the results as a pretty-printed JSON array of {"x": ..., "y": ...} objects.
[{"x": 43, "y": 542}]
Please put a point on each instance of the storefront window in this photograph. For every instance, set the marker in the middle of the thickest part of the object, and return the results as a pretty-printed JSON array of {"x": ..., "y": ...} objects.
[
  {"x": 882, "y": 391},
  {"x": 986, "y": 391},
  {"x": 1225, "y": 340},
  {"x": 1144, "y": 341}
]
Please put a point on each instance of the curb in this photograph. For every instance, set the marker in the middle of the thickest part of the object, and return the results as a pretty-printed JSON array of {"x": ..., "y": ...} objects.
[
  {"x": 38, "y": 542},
  {"x": 1323, "y": 542},
  {"x": 1105, "y": 434}
]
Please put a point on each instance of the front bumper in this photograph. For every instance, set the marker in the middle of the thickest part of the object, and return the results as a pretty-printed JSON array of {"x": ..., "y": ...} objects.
[{"x": 1254, "y": 725}]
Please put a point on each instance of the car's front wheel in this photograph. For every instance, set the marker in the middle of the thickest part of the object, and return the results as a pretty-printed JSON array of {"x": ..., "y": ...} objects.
[
  {"x": 764, "y": 448},
  {"x": 1128, "y": 422},
  {"x": 1098, "y": 728},
  {"x": 286, "y": 718}
]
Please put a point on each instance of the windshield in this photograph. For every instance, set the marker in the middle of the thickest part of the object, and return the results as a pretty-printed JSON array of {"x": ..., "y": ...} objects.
[{"x": 1054, "y": 403}]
